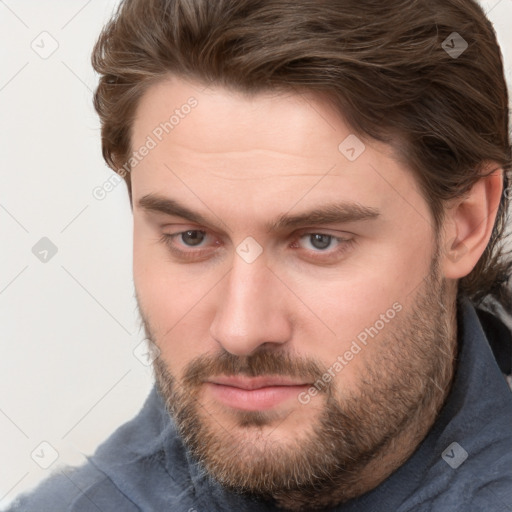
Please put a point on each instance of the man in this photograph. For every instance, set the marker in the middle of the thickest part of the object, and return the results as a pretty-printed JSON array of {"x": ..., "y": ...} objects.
[{"x": 319, "y": 192}]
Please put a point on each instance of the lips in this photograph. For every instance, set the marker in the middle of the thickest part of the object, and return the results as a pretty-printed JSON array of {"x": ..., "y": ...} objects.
[
  {"x": 256, "y": 393},
  {"x": 256, "y": 382}
]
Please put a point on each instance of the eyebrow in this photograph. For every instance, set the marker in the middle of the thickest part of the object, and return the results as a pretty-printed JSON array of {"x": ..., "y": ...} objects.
[
  {"x": 168, "y": 206},
  {"x": 336, "y": 213},
  {"x": 328, "y": 214}
]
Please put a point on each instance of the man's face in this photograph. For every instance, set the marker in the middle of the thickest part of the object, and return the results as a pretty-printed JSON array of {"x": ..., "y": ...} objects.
[{"x": 309, "y": 263}]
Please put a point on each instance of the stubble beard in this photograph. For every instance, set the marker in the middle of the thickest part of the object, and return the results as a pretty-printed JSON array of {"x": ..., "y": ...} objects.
[{"x": 327, "y": 463}]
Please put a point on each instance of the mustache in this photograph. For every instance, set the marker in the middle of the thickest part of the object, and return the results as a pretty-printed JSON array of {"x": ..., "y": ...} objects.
[{"x": 261, "y": 362}]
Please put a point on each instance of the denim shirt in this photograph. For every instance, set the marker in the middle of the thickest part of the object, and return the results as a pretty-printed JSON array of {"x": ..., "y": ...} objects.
[{"x": 464, "y": 464}]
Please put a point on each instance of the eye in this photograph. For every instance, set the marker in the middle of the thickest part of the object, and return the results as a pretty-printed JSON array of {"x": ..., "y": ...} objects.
[
  {"x": 189, "y": 239},
  {"x": 322, "y": 247},
  {"x": 192, "y": 238},
  {"x": 318, "y": 240},
  {"x": 190, "y": 245}
]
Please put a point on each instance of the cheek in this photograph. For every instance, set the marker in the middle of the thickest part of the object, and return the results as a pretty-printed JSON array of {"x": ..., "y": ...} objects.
[
  {"x": 351, "y": 297},
  {"x": 175, "y": 300},
  {"x": 358, "y": 307}
]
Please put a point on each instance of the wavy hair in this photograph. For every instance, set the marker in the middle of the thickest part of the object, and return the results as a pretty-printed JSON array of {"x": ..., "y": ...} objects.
[{"x": 384, "y": 66}]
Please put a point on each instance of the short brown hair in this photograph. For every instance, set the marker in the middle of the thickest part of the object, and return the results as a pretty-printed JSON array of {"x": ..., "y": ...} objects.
[{"x": 383, "y": 66}]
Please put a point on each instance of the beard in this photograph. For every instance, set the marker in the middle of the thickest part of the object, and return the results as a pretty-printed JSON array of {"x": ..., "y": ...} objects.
[{"x": 399, "y": 393}]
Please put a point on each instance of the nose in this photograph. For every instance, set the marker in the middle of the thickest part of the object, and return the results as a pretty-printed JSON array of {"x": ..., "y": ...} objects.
[{"x": 251, "y": 309}]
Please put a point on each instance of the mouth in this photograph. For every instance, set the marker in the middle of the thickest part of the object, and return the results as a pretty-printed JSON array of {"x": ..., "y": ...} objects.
[{"x": 255, "y": 393}]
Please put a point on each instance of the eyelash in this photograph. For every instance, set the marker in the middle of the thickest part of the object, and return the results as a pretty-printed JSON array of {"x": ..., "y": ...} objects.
[
  {"x": 167, "y": 239},
  {"x": 197, "y": 255}
]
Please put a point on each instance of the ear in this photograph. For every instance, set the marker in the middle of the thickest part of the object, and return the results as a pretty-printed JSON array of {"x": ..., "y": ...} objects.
[{"x": 469, "y": 222}]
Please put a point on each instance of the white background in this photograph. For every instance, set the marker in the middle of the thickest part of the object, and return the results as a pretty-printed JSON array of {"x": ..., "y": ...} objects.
[{"x": 68, "y": 374}]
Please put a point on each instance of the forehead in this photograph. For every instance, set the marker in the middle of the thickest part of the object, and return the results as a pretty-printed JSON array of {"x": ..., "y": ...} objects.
[
  {"x": 265, "y": 150},
  {"x": 225, "y": 120}
]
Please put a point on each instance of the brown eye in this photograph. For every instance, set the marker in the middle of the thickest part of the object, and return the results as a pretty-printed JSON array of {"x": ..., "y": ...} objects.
[{"x": 192, "y": 237}]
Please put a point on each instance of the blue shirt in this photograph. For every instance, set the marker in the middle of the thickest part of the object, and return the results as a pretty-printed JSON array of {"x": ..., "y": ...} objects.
[{"x": 464, "y": 464}]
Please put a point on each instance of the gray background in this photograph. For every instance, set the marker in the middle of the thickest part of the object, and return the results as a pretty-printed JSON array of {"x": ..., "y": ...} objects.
[{"x": 72, "y": 366}]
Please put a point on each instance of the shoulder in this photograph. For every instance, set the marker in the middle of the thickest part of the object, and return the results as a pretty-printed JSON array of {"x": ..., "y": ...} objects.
[
  {"x": 482, "y": 482},
  {"x": 468, "y": 475},
  {"x": 74, "y": 490},
  {"x": 121, "y": 463}
]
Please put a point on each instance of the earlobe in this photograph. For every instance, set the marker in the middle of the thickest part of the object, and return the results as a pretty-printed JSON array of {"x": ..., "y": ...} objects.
[{"x": 469, "y": 223}]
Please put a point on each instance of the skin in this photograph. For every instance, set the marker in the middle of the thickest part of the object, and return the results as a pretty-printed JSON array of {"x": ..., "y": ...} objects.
[{"x": 242, "y": 162}]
